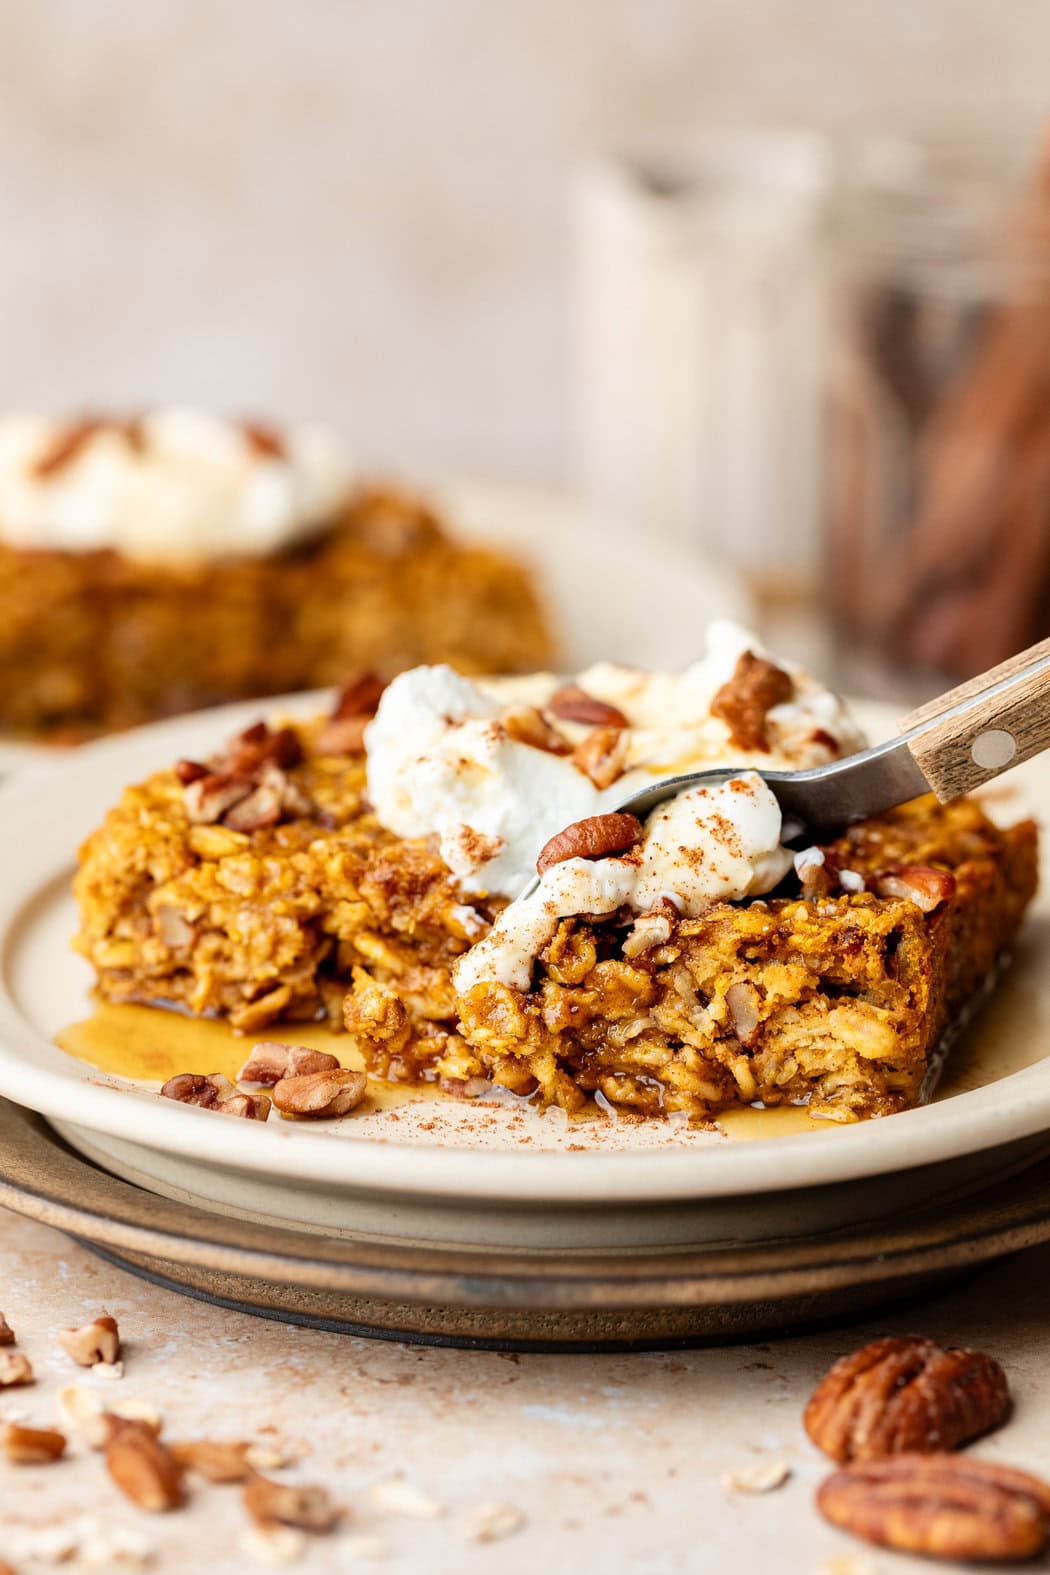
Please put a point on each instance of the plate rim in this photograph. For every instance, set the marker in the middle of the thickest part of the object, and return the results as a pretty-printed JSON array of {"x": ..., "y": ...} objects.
[{"x": 1017, "y": 1106}]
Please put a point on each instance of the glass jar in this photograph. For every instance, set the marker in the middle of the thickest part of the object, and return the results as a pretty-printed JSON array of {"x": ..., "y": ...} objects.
[{"x": 938, "y": 441}]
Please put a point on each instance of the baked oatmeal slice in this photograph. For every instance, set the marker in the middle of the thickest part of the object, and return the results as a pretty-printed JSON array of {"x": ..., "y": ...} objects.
[
  {"x": 819, "y": 995},
  {"x": 252, "y": 890}
]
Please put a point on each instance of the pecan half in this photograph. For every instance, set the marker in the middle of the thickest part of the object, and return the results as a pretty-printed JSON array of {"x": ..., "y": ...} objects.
[
  {"x": 921, "y": 884},
  {"x": 7, "y": 1334},
  {"x": 144, "y": 1470},
  {"x": 757, "y": 685},
  {"x": 269, "y": 1061},
  {"x": 593, "y": 838},
  {"x": 942, "y": 1506},
  {"x": 16, "y": 1370},
  {"x": 97, "y": 1341},
  {"x": 573, "y": 704},
  {"x": 528, "y": 725},
  {"x": 261, "y": 807},
  {"x": 278, "y": 1503},
  {"x": 33, "y": 1446},
  {"x": 602, "y": 755},
  {"x": 902, "y": 1395},
  {"x": 221, "y": 1461},
  {"x": 318, "y": 1094}
]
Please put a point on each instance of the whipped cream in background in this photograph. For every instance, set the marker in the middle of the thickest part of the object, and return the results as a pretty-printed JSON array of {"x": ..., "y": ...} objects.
[
  {"x": 440, "y": 763},
  {"x": 189, "y": 486}
]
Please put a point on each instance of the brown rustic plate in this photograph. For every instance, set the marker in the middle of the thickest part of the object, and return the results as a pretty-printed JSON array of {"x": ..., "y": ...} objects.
[{"x": 522, "y": 1300}]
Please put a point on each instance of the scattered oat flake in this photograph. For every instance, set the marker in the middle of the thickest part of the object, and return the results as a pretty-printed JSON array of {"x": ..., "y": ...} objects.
[
  {"x": 399, "y": 1497},
  {"x": 49, "y": 1544},
  {"x": 362, "y": 1546},
  {"x": 274, "y": 1545},
  {"x": 109, "y": 1370},
  {"x": 103, "y": 1546},
  {"x": 490, "y": 1522},
  {"x": 268, "y": 1457},
  {"x": 765, "y": 1477}
]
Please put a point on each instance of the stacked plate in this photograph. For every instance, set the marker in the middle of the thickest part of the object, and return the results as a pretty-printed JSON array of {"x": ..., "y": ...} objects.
[{"x": 492, "y": 1222}]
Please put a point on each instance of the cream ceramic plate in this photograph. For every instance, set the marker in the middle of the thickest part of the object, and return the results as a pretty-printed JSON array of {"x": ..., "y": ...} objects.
[{"x": 496, "y": 1174}]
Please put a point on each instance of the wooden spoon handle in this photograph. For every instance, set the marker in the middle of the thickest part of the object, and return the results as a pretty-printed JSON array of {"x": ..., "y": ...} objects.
[{"x": 985, "y": 726}]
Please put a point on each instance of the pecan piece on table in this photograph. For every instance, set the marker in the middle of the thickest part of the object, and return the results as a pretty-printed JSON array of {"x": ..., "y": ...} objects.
[
  {"x": 593, "y": 838},
  {"x": 572, "y": 704},
  {"x": 941, "y": 1506},
  {"x": 922, "y": 884},
  {"x": 282, "y": 1504},
  {"x": 269, "y": 1061},
  {"x": 145, "y": 1470},
  {"x": 757, "y": 685},
  {"x": 16, "y": 1370},
  {"x": 602, "y": 755},
  {"x": 317, "y": 1094},
  {"x": 903, "y": 1395},
  {"x": 7, "y": 1334},
  {"x": 91, "y": 1343},
  {"x": 33, "y": 1446},
  {"x": 219, "y": 1461}
]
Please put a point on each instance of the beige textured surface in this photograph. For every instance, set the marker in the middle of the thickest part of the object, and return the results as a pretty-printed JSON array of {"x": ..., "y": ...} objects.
[
  {"x": 615, "y": 1462},
  {"x": 359, "y": 211}
]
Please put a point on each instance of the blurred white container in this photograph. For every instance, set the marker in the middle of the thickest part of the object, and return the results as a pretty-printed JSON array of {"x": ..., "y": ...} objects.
[{"x": 700, "y": 332}]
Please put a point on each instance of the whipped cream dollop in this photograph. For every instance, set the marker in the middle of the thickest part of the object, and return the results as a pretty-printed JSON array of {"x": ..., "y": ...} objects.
[
  {"x": 448, "y": 757},
  {"x": 174, "y": 484}
]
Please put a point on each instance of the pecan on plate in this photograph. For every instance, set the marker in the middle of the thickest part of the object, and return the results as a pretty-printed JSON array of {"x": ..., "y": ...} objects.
[
  {"x": 144, "y": 1470},
  {"x": 215, "y": 1092},
  {"x": 269, "y": 1061},
  {"x": 602, "y": 755},
  {"x": 903, "y": 1395},
  {"x": 572, "y": 704},
  {"x": 594, "y": 838},
  {"x": 91, "y": 1343},
  {"x": 921, "y": 884},
  {"x": 317, "y": 1094},
  {"x": 757, "y": 685},
  {"x": 356, "y": 705},
  {"x": 32, "y": 1446},
  {"x": 941, "y": 1506}
]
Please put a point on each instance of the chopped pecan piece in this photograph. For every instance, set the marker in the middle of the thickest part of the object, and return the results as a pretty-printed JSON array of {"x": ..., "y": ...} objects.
[
  {"x": 528, "y": 725},
  {"x": 261, "y": 807},
  {"x": 343, "y": 735},
  {"x": 903, "y": 1395},
  {"x": 742, "y": 1001},
  {"x": 318, "y": 1094},
  {"x": 209, "y": 798},
  {"x": 941, "y": 1506},
  {"x": 921, "y": 884},
  {"x": 573, "y": 704},
  {"x": 7, "y": 1334},
  {"x": 757, "y": 685},
  {"x": 189, "y": 771},
  {"x": 252, "y": 1107},
  {"x": 97, "y": 1341},
  {"x": 33, "y": 1446},
  {"x": 194, "y": 1088},
  {"x": 264, "y": 440},
  {"x": 602, "y": 755},
  {"x": 270, "y": 1061},
  {"x": 360, "y": 696},
  {"x": 281, "y": 1504},
  {"x": 594, "y": 838},
  {"x": 16, "y": 1370},
  {"x": 144, "y": 1470},
  {"x": 222, "y": 1461}
]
